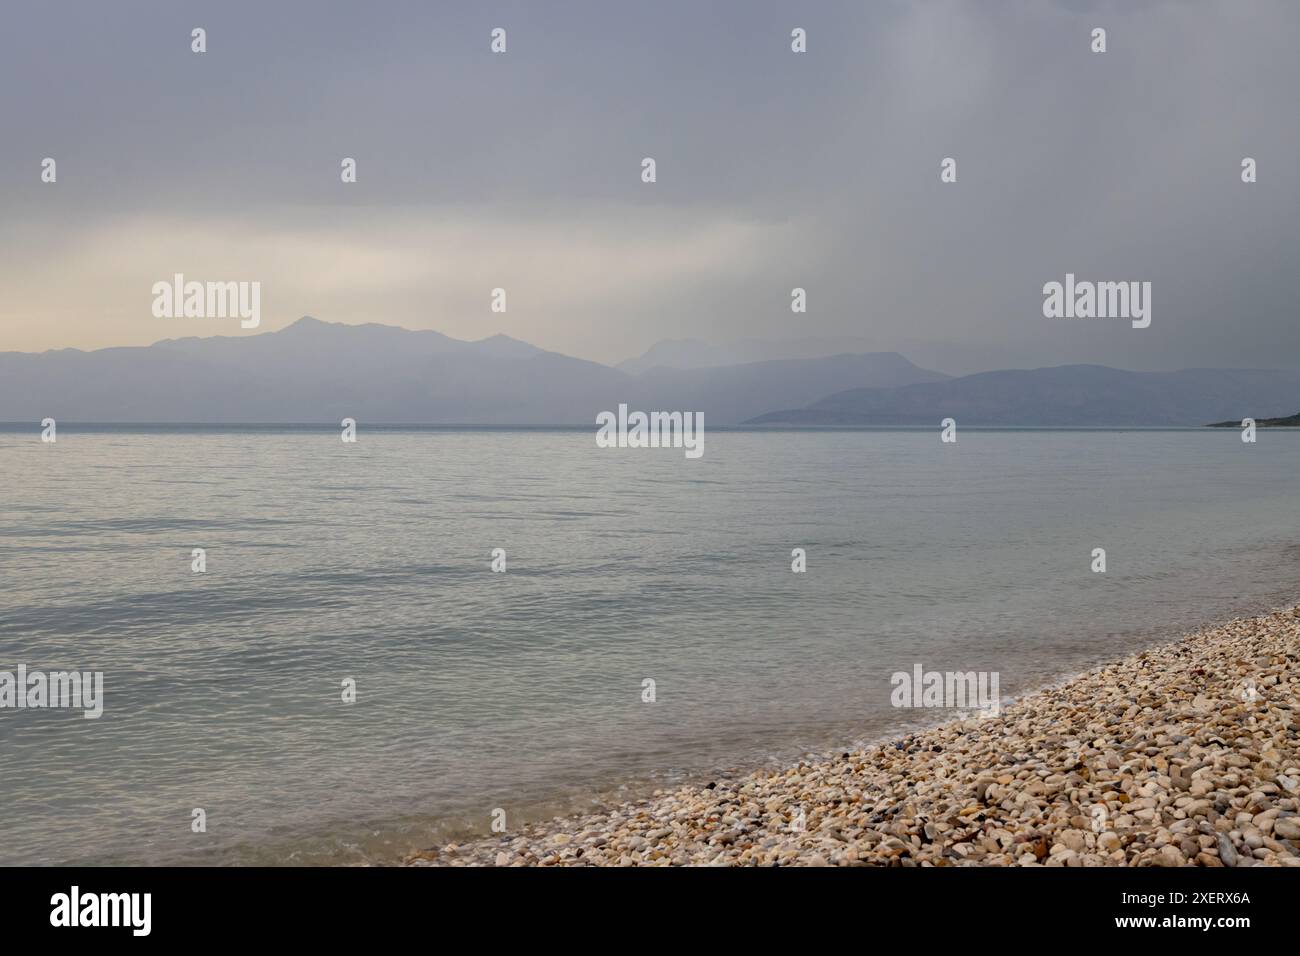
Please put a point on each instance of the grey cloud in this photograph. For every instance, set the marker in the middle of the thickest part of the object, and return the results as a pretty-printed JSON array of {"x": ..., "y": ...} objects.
[{"x": 1122, "y": 165}]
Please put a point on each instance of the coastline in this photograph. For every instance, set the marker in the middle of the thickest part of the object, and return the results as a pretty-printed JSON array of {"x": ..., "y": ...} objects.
[{"x": 1183, "y": 754}]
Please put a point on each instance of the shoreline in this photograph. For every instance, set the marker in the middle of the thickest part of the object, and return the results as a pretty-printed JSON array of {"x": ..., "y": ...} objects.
[{"x": 1185, "y": 753}]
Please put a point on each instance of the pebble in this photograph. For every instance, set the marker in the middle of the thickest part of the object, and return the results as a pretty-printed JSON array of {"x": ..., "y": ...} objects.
[{"x": 1288, "y": 828}]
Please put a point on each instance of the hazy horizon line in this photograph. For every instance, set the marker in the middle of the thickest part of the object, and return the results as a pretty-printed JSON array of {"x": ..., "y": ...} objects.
[{"x": 615, "y": 365}]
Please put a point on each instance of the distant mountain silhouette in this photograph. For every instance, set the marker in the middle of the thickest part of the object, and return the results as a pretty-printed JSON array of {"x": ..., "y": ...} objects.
[
  {"x": 692, "y": 353},
  {"x": 1290, "y": 421},
  {"x": 1063, "y": 396},
  {"x": 315, "y": 371}
]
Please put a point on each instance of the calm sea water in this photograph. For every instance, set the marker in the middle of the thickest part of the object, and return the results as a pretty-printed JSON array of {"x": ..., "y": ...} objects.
[{"x": 478, "y": 690}]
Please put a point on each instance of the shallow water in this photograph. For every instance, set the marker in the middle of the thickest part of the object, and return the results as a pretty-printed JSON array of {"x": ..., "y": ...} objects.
[{"x": 523, "y": 691}]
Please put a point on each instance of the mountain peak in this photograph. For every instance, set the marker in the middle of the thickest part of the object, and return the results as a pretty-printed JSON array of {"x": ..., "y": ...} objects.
[{"x": 308, "y": 323}]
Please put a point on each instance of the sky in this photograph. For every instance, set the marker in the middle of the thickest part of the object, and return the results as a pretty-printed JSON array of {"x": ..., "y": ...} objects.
[{"x": 775, "y": 170}]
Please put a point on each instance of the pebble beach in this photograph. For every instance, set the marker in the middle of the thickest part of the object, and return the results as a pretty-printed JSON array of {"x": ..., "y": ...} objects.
[{"x": 1185, "y": 754}]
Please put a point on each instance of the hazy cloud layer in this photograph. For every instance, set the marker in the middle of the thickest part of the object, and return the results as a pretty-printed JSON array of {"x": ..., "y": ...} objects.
[{"x": 775, "y": 170}]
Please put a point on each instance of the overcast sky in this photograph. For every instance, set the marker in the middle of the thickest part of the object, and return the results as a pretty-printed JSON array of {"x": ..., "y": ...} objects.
[{"x": 775, "y": 170}]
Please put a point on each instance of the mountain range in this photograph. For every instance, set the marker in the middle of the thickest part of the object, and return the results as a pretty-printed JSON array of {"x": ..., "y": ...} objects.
[
  {"x": 314, "y": 371},
  {"x": 1067, "y": 395}
]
